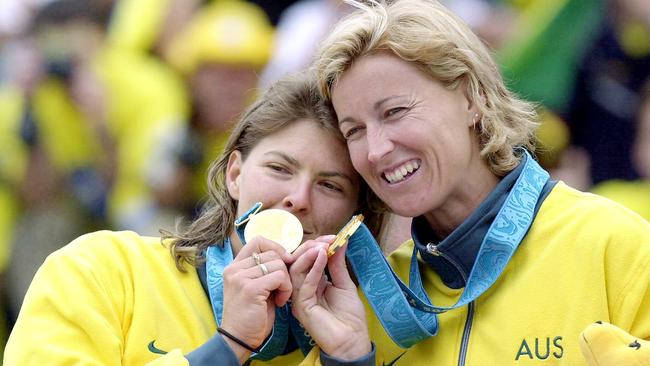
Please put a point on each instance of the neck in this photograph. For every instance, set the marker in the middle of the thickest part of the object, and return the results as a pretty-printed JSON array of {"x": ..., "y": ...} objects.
[
  {"x": 235, "y": 243},
  {"x": 462, "y": 202}
]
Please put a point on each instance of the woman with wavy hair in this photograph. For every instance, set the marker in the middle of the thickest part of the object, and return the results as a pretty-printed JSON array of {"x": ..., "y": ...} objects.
[
  {"x": 505, "y": 265},
  {"x": 200, "y": 296}
]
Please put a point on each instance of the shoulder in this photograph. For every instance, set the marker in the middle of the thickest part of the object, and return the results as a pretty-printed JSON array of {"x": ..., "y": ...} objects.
[
  {"x": 591, "y": 228},
  {"x": 113, "y": 248},
  {"x": 590, "y": 211},
  {"x": 111, "y": 240},
  {"x": 110, "y": 262}
]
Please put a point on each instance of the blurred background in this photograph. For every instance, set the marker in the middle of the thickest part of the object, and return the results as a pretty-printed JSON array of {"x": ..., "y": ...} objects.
[{"x": 111, "y": 110}]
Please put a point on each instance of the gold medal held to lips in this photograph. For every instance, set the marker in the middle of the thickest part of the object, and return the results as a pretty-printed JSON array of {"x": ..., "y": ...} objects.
[
  {"x": 278, "y": 225},
  {"x": 345, "y": 234}
]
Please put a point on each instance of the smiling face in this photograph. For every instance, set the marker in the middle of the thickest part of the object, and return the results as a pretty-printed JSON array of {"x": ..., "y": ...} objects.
[
  {"x": 409, "y": 137},
  {"x": 302, "y": 169}
]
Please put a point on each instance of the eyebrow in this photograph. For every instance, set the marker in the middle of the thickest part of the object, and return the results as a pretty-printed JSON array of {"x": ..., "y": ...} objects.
[
  {"x": 325, "y": 174},
  {"x": 375, "y": 107}
]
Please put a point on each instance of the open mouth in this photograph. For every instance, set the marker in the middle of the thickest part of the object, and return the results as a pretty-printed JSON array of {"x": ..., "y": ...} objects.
[{"x": 402, "y": 172}]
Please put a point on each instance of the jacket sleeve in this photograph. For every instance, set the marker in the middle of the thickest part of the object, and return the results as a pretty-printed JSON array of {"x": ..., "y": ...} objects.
[
  {"x": 173, "y": 358},
  {"x": 631, "y": 308},
  {"x": 69, "y": 316},
  {"x": 73, "y": 313},
  {"x": 628, "y": 279},
  {"x": 213, "y": 352}
]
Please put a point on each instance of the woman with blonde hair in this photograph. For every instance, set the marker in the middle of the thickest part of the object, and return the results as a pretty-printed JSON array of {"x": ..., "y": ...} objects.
[{"x": 505, "y": 265}]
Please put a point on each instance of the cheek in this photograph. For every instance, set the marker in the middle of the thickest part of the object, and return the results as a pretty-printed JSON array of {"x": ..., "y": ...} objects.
[
  {"x": 358, "y": 156},
  {"x": 261, "y": 188},
  {"x": 333, "y": 215}
]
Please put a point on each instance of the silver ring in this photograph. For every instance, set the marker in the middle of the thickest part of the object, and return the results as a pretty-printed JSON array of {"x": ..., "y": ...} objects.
[
  {"x": 265, "y": 270},
  {"x": 256, "y": 258}
]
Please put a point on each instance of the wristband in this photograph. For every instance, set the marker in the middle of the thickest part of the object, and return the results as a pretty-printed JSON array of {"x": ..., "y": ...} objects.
[{"x": 238, "y": 341}]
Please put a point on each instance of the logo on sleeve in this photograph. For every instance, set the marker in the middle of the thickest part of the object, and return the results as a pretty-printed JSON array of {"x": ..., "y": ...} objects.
[
  {"x": 154, "y": 349},
  {"x": 395, "y": 360}
]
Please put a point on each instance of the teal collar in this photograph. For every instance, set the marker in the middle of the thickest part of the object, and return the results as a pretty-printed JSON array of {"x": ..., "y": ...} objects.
[
  {"x": 462, "y": 246},
  {"x": 280, "y": 340},
  {"x": 405, "y": 311}
]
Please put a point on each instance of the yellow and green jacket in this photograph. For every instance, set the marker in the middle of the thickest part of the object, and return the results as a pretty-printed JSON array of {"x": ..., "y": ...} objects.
[
  {"x": 115, "y": 298},
  {"x": 585, "y": 259}
]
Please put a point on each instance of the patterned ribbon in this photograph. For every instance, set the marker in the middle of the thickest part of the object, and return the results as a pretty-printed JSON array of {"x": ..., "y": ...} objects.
[
  {"x": 218, "y": 257},
  {"x": 405, "y": 311}
]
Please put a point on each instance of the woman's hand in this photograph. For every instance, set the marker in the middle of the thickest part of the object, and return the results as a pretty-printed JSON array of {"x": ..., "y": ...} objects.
[
  {"x": 330, "y": 310},
  {"x": 253, "y": 285}
]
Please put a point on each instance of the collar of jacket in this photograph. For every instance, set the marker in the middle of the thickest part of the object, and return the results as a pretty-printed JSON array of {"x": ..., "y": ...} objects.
[{"x": 463, "y": 244}]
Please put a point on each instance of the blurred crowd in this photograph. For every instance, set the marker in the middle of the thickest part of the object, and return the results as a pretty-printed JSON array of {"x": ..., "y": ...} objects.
[{"x": 110, "y": 110}]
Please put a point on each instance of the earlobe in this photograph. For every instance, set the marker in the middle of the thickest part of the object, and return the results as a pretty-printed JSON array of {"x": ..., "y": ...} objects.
[
  {"x": 233, "y": 173},
  {"x": 474, "y": 120},
  {"x": 473, "y": 110}
]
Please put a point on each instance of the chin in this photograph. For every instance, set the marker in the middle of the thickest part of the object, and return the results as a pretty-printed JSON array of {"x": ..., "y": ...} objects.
[{"x": 407, "y": 211}]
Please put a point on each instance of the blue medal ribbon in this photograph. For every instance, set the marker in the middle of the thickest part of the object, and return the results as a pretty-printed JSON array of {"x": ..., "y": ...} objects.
[
  {"x": 405, "y": 311},
  {"x": 220, "y": 256}
]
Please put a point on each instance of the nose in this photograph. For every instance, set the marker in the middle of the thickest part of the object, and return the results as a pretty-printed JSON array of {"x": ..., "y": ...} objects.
[
  {"x": 298, "y": 197},
  {"x": 379, "y": 145}
]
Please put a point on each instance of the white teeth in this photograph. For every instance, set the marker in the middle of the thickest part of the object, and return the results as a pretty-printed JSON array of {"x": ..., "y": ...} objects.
[
  {"x": 399, "y": 173},
  {"x": 410, "y": 167}
]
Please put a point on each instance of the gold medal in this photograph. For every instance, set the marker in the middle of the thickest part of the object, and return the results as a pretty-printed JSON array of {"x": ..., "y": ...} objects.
[
  {"x": 345, "y": 234},
  {"x": 274, "y": 224}
]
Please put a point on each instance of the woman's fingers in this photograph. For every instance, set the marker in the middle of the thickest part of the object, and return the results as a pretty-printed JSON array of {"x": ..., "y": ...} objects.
[
  {"x": 265, "y": 263},
  {"x": 267, "y": 272},
  {"x": 315, "y": 274},
  {"x": 301, "y": 266},
  {"x": 339, "y": 271},
  {"x": 276, "y": 283},
  {"x": 264, "y": 268},
  {"x": 321, "y": 241},
  {"x": 261, "y": 245},
  {"x": 306, "y": 273}
]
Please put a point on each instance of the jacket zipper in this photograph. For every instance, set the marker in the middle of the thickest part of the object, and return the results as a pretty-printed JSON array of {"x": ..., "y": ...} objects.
[{"x": 464, "y": 344}]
